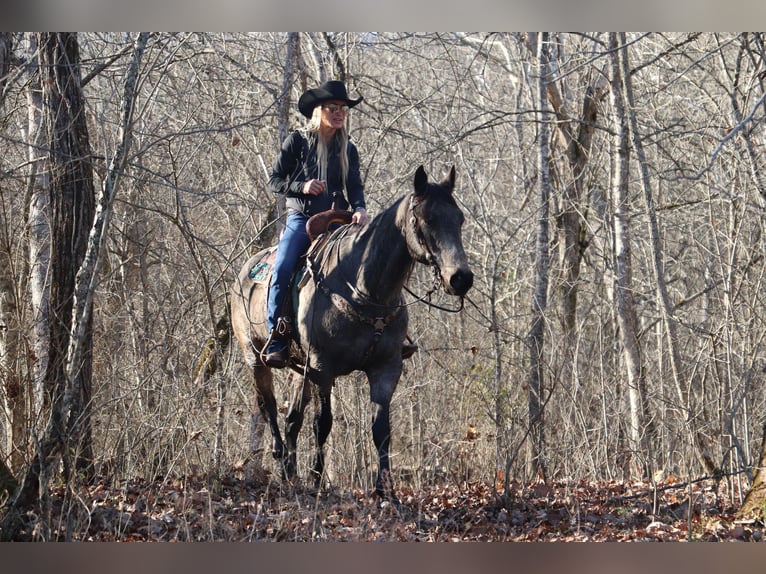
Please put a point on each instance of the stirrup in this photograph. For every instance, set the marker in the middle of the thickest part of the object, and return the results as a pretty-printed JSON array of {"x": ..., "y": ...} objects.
[{"x": 278, "y": 357}]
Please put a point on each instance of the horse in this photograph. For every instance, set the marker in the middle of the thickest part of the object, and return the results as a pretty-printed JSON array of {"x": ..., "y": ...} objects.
[{"x": 351, "y": 314}]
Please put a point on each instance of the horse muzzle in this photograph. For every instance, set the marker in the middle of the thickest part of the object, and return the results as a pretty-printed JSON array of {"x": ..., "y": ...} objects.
[{"x": 458, "y": 282}]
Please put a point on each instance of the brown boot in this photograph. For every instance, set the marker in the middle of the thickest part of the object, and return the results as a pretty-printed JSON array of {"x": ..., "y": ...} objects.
[{"x": 277, "y": 353}]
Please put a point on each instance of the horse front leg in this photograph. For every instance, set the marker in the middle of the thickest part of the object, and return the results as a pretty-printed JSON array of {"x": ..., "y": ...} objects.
[
  {"x": 322, "y": 427},
  {"x": 381, "y": 391},
  {"x": 293, "y": 424},
  {"x": 381, "y": 436}
]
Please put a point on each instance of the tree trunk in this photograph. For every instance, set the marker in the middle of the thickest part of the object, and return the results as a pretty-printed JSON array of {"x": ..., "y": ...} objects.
[
  {"x": 576, "y": 135},
  {"x": 571, "y": 226},
  {"x": 11, "y": 364},
  {"x": 536, "y": 449},
  {"x": 8, "y": 484},
  {"x": 72, "y": 202},
  {"x": 70, "y": 209},
  {"x": 283, "y": 120},
  {"x": 627, "y": 319},
  {"x": 754, "y": 505},
  {"x": 570, "y": 219},
  {"x": 39, "y": 230},
  {"x": 6, "y": 53},
  {"x": 11, "y": 353},
  {"x": 69, "y": 363}
]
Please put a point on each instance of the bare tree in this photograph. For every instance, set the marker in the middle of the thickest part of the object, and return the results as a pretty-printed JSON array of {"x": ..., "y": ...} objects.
[
  {"x": 71, "y": 212},
  {"x": 75, "y": 221},
  {"x": 11, "y": 336},
  {"x": 10, "y": 369},
  {"x": 38, "y": 226},
  {"x": 573, "y": 132},
  {"x": 540, "y": 295},
  {"x": 72, "y": 208},
  {"x": 669, "y": 321},
  {"x": 6, "y": 58},
  {"x": 635, "y": 462}
]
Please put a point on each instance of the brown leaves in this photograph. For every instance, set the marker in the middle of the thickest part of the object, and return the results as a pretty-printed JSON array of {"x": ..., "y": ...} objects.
[
  {"x": 193, "y": 508},
  {"x": 471, "y": 433}
]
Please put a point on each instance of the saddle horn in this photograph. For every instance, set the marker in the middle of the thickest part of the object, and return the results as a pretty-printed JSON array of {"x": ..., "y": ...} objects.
[{"x": 321, "y": 222}]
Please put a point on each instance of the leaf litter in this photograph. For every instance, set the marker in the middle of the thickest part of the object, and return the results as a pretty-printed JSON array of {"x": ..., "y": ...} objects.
[{"x": 197, "y": 508}]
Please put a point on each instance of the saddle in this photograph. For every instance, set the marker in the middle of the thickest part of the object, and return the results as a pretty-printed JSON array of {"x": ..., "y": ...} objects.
[
  {"x": 320, "y": 223},
  {"x": 319, "y": 229}
]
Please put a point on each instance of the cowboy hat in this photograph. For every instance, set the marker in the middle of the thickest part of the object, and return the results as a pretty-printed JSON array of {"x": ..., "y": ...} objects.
[{"x": 330, "y": 90}]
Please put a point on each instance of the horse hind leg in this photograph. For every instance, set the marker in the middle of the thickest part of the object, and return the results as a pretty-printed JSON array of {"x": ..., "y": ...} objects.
[{"x": 266, "y": 405}]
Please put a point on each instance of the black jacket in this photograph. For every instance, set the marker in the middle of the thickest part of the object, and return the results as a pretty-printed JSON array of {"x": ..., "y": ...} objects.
[{"x": 297, "y": 164}]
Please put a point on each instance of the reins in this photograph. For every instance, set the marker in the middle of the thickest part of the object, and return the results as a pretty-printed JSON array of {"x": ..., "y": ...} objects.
[{"x": 428, "y": 294}]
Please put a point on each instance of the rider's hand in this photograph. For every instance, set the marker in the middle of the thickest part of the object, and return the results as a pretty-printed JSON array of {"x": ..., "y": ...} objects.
[
  {"x": 314, "y": 187},
  {"x": 360, "y": 217}
]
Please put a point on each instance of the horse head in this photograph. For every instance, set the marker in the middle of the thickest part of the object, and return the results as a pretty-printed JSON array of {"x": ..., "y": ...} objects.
[{"x": 434, "y": 231}]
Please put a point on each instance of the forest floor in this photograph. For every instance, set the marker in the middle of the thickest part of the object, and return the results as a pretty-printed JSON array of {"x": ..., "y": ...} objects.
[{"x": 190, "y": 509}]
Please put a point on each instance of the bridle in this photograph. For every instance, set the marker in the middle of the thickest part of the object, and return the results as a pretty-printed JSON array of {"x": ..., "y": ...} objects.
[{"x": 425, "y": 255}]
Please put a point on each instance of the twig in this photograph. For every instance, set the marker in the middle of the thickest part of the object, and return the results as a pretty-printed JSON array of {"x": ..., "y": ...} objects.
[{"x": 677, "y": 485}]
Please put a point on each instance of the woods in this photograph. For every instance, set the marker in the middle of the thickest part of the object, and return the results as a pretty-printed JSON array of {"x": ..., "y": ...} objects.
[{"x": 614, "y": 193}]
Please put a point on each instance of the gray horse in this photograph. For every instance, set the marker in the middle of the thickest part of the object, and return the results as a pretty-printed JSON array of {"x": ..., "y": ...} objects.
[{"x": 350, "y": 313}]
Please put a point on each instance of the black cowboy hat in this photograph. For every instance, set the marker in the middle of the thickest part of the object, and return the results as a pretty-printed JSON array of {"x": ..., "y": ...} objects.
[{"x": 330, "y": 90}]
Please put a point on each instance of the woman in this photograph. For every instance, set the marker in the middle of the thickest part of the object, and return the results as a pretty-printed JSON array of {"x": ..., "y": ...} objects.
[{"x": 315, "y": 163}]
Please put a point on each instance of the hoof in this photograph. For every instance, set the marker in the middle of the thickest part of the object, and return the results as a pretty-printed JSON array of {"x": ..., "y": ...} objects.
[
  {"x": 384, "y": 488},
  {"x": 288, "y": 471}
]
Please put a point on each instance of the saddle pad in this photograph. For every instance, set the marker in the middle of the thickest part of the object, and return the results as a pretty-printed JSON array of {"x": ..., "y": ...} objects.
[{"x": 261, "y": 270}]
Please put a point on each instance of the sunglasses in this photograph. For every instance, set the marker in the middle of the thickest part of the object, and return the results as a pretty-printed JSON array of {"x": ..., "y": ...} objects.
[{"x": 332, "y": 108}]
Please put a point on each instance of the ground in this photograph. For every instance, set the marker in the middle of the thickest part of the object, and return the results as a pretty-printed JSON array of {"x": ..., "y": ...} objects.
[{"x": 195, "y": 508}]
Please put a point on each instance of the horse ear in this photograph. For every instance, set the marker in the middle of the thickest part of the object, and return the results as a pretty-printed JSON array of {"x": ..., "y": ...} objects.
[
  {"x": 451, "y": 178},
  {"x": 421, "y": 180}
]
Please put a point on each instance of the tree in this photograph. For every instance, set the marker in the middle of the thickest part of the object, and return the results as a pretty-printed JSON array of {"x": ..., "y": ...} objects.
[
  {"x": 623, "y": 288},
  {"x": 669, "y": 321},
  {"x": 11, "y": 339},
  {"x": 78, "y": 229},
  {"x": 573, "y": 132},
  {"x": 540, "y": 295},
  {"x": 38, "y": 227}
]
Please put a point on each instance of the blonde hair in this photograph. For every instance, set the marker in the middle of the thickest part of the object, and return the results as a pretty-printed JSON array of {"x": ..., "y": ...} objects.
[{"x": 341, "y": 136}]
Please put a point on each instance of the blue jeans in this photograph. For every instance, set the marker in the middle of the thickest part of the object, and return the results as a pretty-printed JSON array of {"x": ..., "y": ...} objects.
[{"x": 293, "y": 244}]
